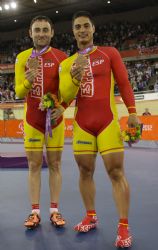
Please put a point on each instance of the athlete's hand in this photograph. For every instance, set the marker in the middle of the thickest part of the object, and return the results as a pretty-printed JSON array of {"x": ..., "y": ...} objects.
[
  {"x": 32, "y": 71},
  {"x": 57, "y": 112},
  {"x": 133, "y": 121},
  {"x": 33, "y": 63},
  {"x": 31, "y": 74},
  {"x": 77, "y": 68}
]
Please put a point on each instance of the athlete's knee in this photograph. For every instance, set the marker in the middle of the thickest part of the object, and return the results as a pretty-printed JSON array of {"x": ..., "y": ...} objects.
[
  {"x": 35, "y": 165},
  {"x": 54, "y": 165},
  {"x": 116, "y": 173},
  {"x": 86, "y": 171}
]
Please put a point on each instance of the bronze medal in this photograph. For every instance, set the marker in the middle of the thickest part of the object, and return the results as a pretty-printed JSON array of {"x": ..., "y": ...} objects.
[{"x": 33, "y": 63}]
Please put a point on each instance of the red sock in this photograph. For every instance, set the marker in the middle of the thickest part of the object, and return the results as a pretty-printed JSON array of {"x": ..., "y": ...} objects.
[
  {"x": 91, "y": 213},
  {"x": 35, "y": 206},
  {"x": 123, "y": 221},
  {"x": 53, "y": 205}
]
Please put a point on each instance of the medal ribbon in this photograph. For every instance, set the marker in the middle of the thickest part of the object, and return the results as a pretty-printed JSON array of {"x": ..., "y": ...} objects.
[
  {"x": 48, "y": 129},
  {"x": 36, "y": 54},
  {"x": 86, "y": 50}
]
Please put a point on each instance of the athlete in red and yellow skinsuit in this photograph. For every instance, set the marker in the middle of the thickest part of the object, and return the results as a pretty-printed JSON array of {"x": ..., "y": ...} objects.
[
  {"x": 89, "y": 75},
  {"x": 35, "y": 77},
  {"x": 47, "y": 80},
  {"x": 96, "y": 111}
]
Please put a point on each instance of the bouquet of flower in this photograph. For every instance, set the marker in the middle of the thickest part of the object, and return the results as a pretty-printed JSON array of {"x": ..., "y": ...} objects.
[
  {"x": 132, "y": 135},
  {"x": 48, "y": 103}
]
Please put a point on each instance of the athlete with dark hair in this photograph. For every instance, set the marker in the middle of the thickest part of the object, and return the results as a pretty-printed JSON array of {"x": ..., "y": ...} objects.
[
  {"x": 36, "y": 74},
  {"x": 89, "y": 75}
]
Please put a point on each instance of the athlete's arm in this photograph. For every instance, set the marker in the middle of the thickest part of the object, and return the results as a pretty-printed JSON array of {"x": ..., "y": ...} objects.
[
  {"x": 23, "y": 80},
  {"x": 68, "y": 87},
  {"x": 121, "y": 77}
]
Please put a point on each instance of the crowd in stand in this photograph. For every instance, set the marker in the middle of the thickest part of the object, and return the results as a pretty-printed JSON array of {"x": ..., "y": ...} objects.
[
  {"x": 7, "y": 92},
  {"x": 124, "y": 36},
  {"x": 142, "y": 75}
]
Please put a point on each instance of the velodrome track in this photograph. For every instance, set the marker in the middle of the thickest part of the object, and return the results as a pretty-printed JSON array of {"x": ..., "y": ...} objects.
[{"x": 142, "y": 172}]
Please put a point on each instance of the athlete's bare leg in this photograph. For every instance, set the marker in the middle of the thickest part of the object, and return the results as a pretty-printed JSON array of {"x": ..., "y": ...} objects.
[
  {"x": 34, "y": 176},
  {"x": 55, "y": 177},
  {"x": 114, "y": 166},
  {"x": 86, "y": 164}
]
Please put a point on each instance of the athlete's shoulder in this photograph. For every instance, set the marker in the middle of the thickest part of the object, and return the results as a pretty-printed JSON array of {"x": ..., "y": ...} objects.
[
  {"x": 69, "y": 60},
  {"x": 25, "y": 53},
  {"x": 108, "y": 49},
  {"x": 111, "y": 52},
  {"x": 55, "y": 50},
  {"x": 59, "y": 53},
  {"x": 23, "y": 56}
]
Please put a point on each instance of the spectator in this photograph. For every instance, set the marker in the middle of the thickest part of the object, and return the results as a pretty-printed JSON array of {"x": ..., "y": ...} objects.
[
  {"x": 146, "y": 112},
  {"x": 156, "y": 86}
]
